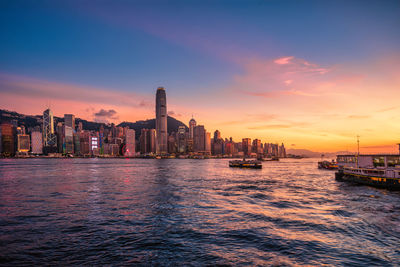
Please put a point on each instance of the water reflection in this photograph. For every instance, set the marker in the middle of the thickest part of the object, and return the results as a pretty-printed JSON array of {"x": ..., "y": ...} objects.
[{"x": 158, "y": 212}]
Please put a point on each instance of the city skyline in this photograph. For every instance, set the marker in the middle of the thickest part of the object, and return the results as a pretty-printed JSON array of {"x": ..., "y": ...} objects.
[
  {"x": 37, "y": 136},
  {"x": 313, "y": 76}
]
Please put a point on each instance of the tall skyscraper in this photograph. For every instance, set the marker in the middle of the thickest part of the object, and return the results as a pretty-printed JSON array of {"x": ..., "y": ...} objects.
[
  {"x": 7, "y": 138},
  {"x": 36, "y": 142},
  {"x": 69, "y": 120},
  {"x": 192, "y": 124},
  {"x": 161, "y": 121},
  {"x": 49, "y": 138},
  {"x": 246, "y": 146},
  {"x": 199, "y": 139},
  {"x": 147, "y": 141},
  {"x": 181, "y": 139},
  {"x": 23, "y": 143}
]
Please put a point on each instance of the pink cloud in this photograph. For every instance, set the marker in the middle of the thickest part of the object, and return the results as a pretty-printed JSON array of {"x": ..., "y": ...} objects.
[
  {"x": 271, "y": 78},
  {"x": 283, "y": 60}
]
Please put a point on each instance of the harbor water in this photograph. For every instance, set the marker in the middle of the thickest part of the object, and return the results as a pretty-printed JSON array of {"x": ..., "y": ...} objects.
[{"x": 191, "y": 212}]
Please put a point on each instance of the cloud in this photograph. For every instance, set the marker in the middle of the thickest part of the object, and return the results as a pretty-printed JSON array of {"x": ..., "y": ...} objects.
[
  {"x": 359, "y": 116},
  {"x": 105, "y": 113},
  {"x": 172, "y": 113},
  {"x": 105, "y": 116},
  {"x": 278, "y": 126},
  {"x": 283, "y": 60},
  {"x": 286, "y": 76}
]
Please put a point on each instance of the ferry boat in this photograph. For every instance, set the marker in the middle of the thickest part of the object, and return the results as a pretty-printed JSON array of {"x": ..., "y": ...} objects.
[
  {"x": 381, "y": 170},
  {"x": 328, "y": 165},
  {"x": 254, "y": 164}
]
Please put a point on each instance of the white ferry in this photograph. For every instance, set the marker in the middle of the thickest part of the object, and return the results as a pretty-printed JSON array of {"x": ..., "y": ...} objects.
[{"x": 380, "y": 170}]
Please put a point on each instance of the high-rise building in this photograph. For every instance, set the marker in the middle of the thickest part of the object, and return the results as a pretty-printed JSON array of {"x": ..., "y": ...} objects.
[
  {"x": 24, "y": 143},
  {"x": 256, "y": 147},
  {"x": 161, "y": 121},
  {"x": 77, "y": 143},
  {"x": 282, "y": 151},
  {"x": 181, "y": 139},
  {"x": 246, "y": 146},
  {"x": 148, "y": 141},
  {"x": 199, "y": 139},
  {"x": 36, "y": 142},
  {"x": 207, "y": 143},
  {"x": 172, "y": 144},
  {"x": 192, "y": 124},
  {"x": 69, "y": 120},
  {"x": 129, "y": 143},
  {"x": 68, "y": 140},
  {"x": 49, "y": 138},
  {"x": 7, "y": 139},
  {"x": 217, "y": 135}
]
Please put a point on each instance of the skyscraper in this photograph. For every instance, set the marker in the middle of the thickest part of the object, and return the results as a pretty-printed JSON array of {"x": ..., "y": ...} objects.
[
  {"x": 192, "y": 124},
  {"x": 246, "y": 146},
  {"x": 129, "y": 143},
  {"x": 199, "y": 138},
  {"x": 49, "y": 137},
  {"x": 69, "y": 120},
  {"x": 36, "y": 142},
  {"x": 161, "y": 121}
]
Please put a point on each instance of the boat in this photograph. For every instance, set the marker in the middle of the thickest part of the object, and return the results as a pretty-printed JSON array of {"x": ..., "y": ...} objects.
[
  {"x": 253, "y": 164},
  {"x": 327, "y": 165},
  {"x": 260, "y": 158},
  {"x": 378, "y": 170}
]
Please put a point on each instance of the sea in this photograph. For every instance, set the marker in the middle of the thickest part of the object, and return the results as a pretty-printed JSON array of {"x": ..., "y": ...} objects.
[{"x": 188, "y": 212}]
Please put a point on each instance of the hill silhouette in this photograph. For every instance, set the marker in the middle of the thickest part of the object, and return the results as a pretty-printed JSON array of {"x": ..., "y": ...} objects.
[{"x": 30, "y": 121}]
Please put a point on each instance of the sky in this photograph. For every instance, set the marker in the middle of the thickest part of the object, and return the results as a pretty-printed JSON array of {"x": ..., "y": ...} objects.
[{"x": 310, "y": 74}]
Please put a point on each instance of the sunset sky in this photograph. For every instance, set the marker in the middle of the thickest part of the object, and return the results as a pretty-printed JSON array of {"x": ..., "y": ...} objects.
[{"x": 311, "y": 74}]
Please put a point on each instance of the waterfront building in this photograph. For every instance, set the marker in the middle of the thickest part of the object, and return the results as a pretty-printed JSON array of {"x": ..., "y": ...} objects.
[
  {"x": 246, "y": 146},
  {"x": 84, "y": 141},
  {"x": 181, "y": 139},
  {"x": 148, "y": 141},
  {"x": 1, "y": 143},
  {"x": 282, "y": 151},
  {"x": 68, "y": 140},
  {"x": 208, "y": 143},
  {"x": 199, "y": 139},
  {"x": 256, "y": 147},
  {"x": 217, "y": 135},
  {"x": 129, "y": 143},
  {"x": 60, "y": 137},
  {"x": 77, "y": 144},
  {"x": 94, "y": 142},
  {"x": 36, "y": 142},
  {"x": 23, "y": 143},
  {"x": 69, "y": 120},
  {"x": 172, "y": 144},
  {"x": 49, "y": 137},
  {"x": 192, "y": 124},
  {"x": 189, "y": 144},
  {"x": 161, "y": 121},
  {"x": 7, "y": 139}
]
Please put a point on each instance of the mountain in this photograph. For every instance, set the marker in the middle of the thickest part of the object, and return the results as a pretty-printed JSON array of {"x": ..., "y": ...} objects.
[
  {"x": 30, "y": 121},
  {"x": 313, "y": 154},
  {"x": 172, "y": 125}
]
